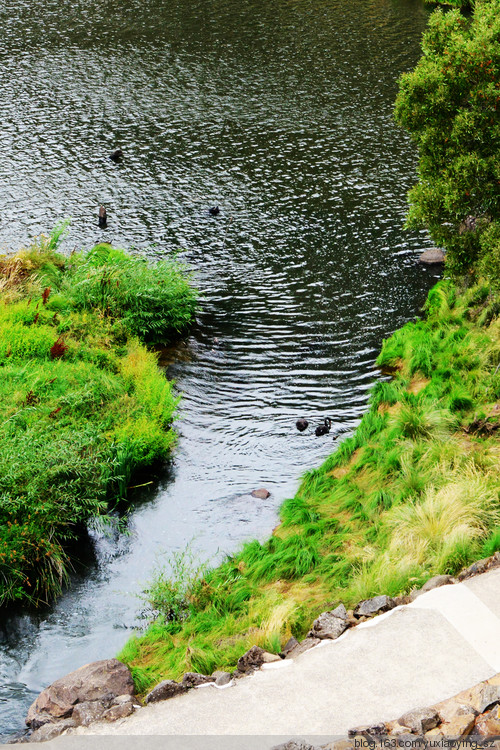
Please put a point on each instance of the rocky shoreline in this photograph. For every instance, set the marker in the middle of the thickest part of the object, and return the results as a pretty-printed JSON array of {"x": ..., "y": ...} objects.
[{"x": 104, "y": 690}]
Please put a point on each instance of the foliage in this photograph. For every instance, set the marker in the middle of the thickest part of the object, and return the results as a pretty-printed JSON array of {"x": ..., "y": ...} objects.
[
  {"x": 414, "y": 492},
  {"x": 449, "y": 104},
  {"x": 83, "y": 405}
]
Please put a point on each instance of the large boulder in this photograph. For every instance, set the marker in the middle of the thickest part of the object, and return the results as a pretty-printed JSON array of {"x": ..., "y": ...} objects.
[{"x": 98, "y": 681}]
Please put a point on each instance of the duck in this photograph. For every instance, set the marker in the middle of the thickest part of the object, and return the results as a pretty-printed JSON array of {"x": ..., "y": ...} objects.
[
  {"x": 301, "y": 424},
  {"x": 214, "y": 211},
  {"x": 323, "y": 429},
  {"x": 116, "y": 155}
]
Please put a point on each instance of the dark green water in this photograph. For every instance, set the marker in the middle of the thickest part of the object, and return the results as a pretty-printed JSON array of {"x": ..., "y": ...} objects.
[{"x": 280, "y": 113}]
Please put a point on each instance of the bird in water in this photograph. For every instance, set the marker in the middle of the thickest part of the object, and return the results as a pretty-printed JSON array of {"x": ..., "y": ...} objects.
[
  {"x": 214, "y": 211},
  {"x": 323, "y": 429},
  {"x": 116, "y": 155},
  {"x": 301, "y": 424}
]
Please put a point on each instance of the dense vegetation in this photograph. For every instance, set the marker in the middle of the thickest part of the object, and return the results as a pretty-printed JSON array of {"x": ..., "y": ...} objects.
[
  {"x": 83, "y": 404},
  {"x": 450, "y": 104},
  {"x": 415, "y": 491}
]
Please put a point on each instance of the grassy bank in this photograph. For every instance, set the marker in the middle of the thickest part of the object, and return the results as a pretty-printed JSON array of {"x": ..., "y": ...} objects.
[
  {"x": 83, "y": 405},
  {"x": 414, "y": 492}
]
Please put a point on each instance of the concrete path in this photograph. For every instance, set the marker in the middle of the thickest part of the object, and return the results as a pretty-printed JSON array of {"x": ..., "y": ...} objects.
[{"x": 416, "y": 655}]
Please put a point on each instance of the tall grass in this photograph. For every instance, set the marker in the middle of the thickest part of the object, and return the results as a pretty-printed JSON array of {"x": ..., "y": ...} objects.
[
  {"x": 409, "y": 495},
  {"x": 83, "y": 404}
]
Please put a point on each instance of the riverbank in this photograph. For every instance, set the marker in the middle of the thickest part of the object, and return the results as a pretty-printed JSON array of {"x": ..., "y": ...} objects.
[
  {"x": 413, "y": 493},
  {"x": 84, "y": 406}
]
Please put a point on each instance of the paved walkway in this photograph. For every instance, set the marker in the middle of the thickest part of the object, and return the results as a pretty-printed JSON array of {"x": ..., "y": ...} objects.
[{"x": 416, "y": 655}]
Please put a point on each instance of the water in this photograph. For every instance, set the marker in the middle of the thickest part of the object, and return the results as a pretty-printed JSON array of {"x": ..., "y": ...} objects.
[{"x": 280, "y": 113}]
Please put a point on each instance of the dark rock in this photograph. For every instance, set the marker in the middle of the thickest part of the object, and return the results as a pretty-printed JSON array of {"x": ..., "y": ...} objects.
[
  {"x": 420, "y": 720},
  {"x": 222, "y": 678},
  {"x": 368, "y": 730},
  {"x": 303, "y": 646},
  {"x": 374, "y": 606},
  {"x": 87, "y": 712},
  {"x": 164, "y": 690},
  {"x": 51, "y": 730},
  {"x": 254, "y": 658},
  {"x": 432, "y": 257},
  {"x": 100, "y": 680},
  {"x": 192, "y": 679},
  {"x": 103, "y": 217},
  {"x": 327, "y": 625},
  {"x": 261, "y": 494},
  {"x": 289, "y": 646}
]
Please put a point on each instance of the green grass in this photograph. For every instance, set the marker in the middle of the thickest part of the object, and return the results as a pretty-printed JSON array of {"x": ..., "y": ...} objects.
[
  {"x": 409, "y": 495},
  {"x": 83, "y": 404}
]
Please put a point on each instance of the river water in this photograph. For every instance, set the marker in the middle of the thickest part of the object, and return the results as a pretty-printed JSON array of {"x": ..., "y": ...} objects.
[{"x": 280, "y": 113}]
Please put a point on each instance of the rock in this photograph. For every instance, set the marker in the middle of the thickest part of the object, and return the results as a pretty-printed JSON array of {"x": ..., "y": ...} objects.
[
  {"x": 254, "y": 658},
  {"x": 420, "y": 720},
  {"x": 395, "y": 729},
  {"x": 261, "y": 494},
  {"x": 100, "y": 680},
  {"x": 483, "y": 696},
  {"x": 222, "y": 678},
  {"x": 432, "y": 257},
  {"x": 192, "y": 679},
  {"x": 289, "y": 646},
  {"x": 87, "y": 712},
  {"x": 437, "y": 581},
  {"x": 374, "y": 606},
  {"x": 488, "y": 725},
  {"x": 459, "y": 726},
  {"x": 448, "y": 710},
  {"x": 328, "y": 625},
  {"x": 339, "y": 611},
  {"x": 119, "y": 711},
  {"x": 51, "y": 730},
  {"x": 478, "y": 567},
  {"x": 303, "y": 646},
  {"x": 294, "y": 745},
  {"x": 368, "y": 730},
  {"x": 164, "y": 690}
]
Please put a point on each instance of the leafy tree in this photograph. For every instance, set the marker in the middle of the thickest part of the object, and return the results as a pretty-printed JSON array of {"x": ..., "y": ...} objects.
[{"x": 450, "y": 105}]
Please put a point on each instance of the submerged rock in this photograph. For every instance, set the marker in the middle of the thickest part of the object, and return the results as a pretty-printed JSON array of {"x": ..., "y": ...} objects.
[
  {"x": 261, "y": 494},
  {"x": 432, "y": 257}
]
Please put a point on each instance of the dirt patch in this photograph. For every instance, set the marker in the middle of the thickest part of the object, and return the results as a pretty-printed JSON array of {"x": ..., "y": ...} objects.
[{"x": 417, "y": 385}]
